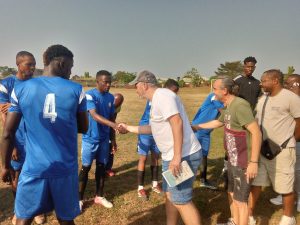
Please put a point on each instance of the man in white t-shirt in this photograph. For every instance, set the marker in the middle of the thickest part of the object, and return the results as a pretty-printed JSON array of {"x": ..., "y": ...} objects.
[{"x": 175, "y": 139}]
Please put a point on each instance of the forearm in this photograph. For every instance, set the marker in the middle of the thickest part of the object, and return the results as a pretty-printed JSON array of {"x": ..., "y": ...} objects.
[
  {"x": 209, "y": 125},
  {"x": 139, "y": 129},
  {"x": 104, "y": 121},
  {"x": 297, "y": 129},
  {"x": 178, "y": 139},
  {"x": 6, "y": 149}
]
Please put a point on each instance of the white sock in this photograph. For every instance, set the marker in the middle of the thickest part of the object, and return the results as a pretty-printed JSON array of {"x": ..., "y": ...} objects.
[
  {"x": 140, "y": 187},
  {"x": 154, "y": 183}
]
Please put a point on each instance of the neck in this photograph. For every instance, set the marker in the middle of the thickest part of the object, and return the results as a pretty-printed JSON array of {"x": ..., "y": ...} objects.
[
  {"x": 275, "y": 91},
  {"x": 19, "y": 75},
  {"x": 150, "y": 92},
  {"x": 229, "y": 99}
]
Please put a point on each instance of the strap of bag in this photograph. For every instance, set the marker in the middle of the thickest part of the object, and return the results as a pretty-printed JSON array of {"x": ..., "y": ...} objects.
[
  {"x": 263, "y": 112},
  {"x": 262, "y": 119}
]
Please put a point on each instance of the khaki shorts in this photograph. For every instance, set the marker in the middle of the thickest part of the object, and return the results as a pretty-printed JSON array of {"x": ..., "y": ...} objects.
[{"x": 280, "y": 171}]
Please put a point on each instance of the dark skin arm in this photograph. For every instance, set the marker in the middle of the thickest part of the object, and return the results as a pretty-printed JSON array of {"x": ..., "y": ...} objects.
[
  {"x": 102, "y": 120},
  {"x": 113, "y": 136},
  {"x": 297, "y": 129},
  {"x": 82, "y": 122},
  {"x": 7, "y": 143}
]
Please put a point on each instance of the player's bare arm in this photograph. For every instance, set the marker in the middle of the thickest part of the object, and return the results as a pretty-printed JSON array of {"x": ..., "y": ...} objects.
[
  {"x": 7, "y": 142},
  {"x": 82, "y": 122},
  {"x": 177, "y": 130},
  {"x": 252, "y": 168}
]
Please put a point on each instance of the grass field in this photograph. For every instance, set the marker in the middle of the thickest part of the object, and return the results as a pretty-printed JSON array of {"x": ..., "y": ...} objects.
[{"x": 121, "y": 189}]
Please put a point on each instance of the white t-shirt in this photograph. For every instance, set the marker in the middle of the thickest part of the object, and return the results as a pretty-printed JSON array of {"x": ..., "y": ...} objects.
[{"x": 165, "y": 104}]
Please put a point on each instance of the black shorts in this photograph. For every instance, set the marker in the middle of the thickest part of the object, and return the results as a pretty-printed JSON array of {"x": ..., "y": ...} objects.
[{"x": 237, "y": 183}]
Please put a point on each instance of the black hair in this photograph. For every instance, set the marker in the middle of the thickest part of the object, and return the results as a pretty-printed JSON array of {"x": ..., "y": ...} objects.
[
  {"x": 21, "y": 54},
  {"x": 250, "y": 59},
  {"x": 277, "y": 74},
  {"x": 103, "y": 73},
  {"x": 170, "y": 83},
  {"x": 56, "y": 51}
]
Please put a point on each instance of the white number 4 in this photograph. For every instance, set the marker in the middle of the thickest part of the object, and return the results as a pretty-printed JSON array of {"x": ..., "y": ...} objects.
[{"x": 49, "y": 108}]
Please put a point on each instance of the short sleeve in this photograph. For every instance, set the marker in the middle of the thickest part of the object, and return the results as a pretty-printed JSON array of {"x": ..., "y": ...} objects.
[
  {"x": 82, "y": 102},
  {"x": 90, "y": 104},
  {"x": 244, "y": 114},
  {"x": 169, "y": 105},
  {"x": 294, "y": 106},
  {"x": 14, "y": 107},
  {"x": 4, "y": 97}
]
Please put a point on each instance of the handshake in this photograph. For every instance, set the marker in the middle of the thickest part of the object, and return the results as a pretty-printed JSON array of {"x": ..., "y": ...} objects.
[{"x": 121, "y": 128}]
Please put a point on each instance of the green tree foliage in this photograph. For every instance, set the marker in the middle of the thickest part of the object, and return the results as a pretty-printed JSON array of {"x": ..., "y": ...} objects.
[
  {"x": 196, "y": 78},
  {"x": 290, "y": 71},
  {"x": 231, "y": 69},
  {"x": 5, "y": 71},
  {"x": 122, "y": 77},
  {"x": 86, "y": 74}
]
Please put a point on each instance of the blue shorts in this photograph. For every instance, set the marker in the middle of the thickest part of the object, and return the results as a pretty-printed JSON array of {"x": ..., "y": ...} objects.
[
  {"x": 183, "y": 193},
  {"x": 41, "y": 195},
  {"x": 17, "y": 165},
  {"x": 205, "y": 144},
  {"x": 99, "y": 151},
  {"x": 146, "y": 143}
]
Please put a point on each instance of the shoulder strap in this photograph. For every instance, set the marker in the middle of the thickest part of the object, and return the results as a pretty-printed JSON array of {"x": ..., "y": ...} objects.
[{"x": 263, "y": 112}]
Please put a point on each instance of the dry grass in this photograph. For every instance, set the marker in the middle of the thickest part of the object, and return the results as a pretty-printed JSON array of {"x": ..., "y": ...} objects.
[{"x": 121, "y": 189}]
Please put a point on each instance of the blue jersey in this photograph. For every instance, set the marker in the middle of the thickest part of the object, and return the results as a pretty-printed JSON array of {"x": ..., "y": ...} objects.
[
  {"x": 208, "y": 111},
  {"x": 103, "y": 103},
  {"x": 49, "y": 106},
  {"x": 146, "y": 116},
  {"x": 6, "y": 87}
]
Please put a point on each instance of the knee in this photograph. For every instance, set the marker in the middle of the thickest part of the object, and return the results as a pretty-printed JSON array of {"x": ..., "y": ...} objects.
[{"x": 84, "y": 172}]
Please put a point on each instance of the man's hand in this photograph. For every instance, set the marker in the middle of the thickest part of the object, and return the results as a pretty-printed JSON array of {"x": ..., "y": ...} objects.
[
  {"x": 15, "y": 154},
  {"x": 114, "y": 147},
  {"x": 4, "y": 108},
  {"x": 175, "y": 166},
  {"x": 195, "y": 127},
  {"x": 122, "y": 128},
  {"x": 5, "y": 176},
  {"x": 251, "y": 171}
]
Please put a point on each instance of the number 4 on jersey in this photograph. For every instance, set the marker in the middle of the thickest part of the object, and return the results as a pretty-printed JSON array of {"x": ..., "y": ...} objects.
[{"x": 49, "y": 108}]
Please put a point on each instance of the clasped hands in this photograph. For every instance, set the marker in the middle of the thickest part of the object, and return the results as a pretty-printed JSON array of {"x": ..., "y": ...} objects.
[{"x": 121, "y": 128}]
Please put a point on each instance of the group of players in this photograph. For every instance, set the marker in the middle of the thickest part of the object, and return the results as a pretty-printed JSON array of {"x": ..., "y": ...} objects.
[{"x": 42, "y": 117}]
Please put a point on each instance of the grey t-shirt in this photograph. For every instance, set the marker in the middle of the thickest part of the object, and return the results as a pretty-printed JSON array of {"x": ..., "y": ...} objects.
[{"x": 279, "y": 119}]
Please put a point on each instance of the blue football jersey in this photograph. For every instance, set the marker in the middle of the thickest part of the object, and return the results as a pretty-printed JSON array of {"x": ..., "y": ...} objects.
[
  {"x": 146, "y": 116},
  {"x": 208, "y": 111},
  {"x": 103, "y": 103},
  {"x": 6, "y": 87},
  {"x": 49, "y": 106}
]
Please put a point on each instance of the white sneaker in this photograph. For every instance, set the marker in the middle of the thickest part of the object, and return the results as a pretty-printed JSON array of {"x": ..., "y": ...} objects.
[
  {"x": 80, "y": 205},
  {"x": 285, "y": 220},
  {"x": 251, "y": 221},
  {"x": 103, "y": 201},
  {"x": 277, "y": 200}
]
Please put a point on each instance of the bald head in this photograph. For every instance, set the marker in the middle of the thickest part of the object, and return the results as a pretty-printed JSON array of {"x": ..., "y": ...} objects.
[
  {"x": 119, "y": 98},
  {"x": 292, "y": 83}
]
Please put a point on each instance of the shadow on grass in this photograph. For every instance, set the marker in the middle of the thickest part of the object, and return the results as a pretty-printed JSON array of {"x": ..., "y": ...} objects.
[{"x": 6, "y": 203}]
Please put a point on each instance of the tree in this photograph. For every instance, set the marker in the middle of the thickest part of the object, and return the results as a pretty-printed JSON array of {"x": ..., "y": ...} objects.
[
  {"x": 5, "y": 71},
  {"x": 231, "y": 69},
  {"x": 194, "y": 75},
  {"x": 290, "y": 71},
  {"x": 123, "y": 77},
  {"x": 86, "y": 74}
]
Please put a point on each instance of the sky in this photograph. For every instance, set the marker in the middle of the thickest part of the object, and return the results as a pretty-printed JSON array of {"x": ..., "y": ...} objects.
[{"x": 167, "y": 37}]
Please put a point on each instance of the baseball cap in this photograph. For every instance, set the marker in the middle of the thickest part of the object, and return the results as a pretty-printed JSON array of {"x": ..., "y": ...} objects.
[{"x": 144, "y": 76}]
